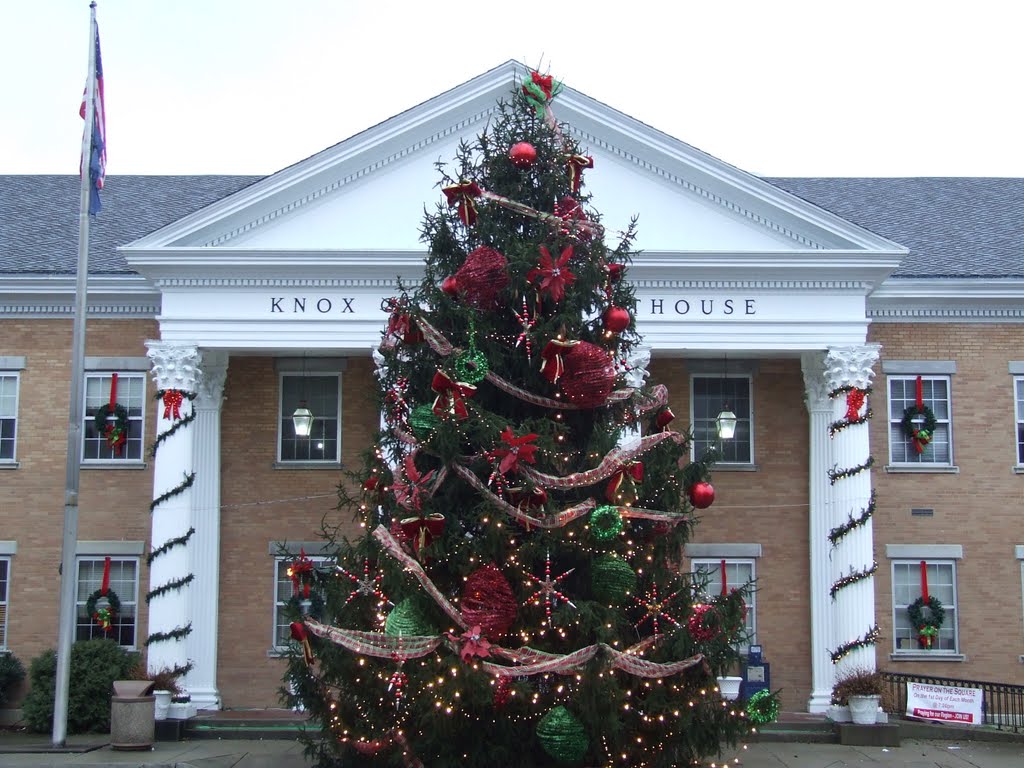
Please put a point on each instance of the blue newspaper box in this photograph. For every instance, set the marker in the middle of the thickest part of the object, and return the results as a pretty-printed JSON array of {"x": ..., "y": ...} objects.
[{"x": 756, "y": 673}]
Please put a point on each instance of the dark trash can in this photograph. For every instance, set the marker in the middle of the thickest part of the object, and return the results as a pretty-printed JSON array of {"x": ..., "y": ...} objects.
[{"x": 132, "y": 715}]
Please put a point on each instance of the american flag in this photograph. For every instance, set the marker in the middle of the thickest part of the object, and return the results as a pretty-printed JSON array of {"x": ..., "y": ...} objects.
[{"x": 97, "y": 160}]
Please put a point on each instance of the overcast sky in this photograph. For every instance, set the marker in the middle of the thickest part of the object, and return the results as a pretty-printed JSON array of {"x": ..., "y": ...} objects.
[{"x": 819, "y": 88}]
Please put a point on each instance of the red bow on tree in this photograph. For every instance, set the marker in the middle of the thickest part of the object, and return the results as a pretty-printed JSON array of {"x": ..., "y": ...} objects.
[
  {"x": 523, "y": 499},
  {"x": 554, "y": 275},
  {"x": 420, "y": 531},
  {"x": 450, "y": 394},
  {"x": 576, "y": 164},
  {"x": 463, "y": 195},
  {"x": 409, "y": 493},
  {"x": 552, "y": 365},
  {"x": 634, "y": 471},
  {"x": 172, "y": 404},
  {"x": 854, "y": 402},
  {"x": 518, "y": 448}
]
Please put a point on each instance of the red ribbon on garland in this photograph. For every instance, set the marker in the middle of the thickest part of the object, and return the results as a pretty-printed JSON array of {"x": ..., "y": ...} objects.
[
  {"x": 920, "y": 437},
  {"x": 172, "y": 404},
  {"x": 725, "y": 581},
  {"x": 926, "y": 638},
  {"x": 576, "y": 165},
  {"x": 105, "y": 586},
  {"x": 633, "y": 470},
  {"x": 113, "y": 435},
  {"x": 463, "y": 195}
]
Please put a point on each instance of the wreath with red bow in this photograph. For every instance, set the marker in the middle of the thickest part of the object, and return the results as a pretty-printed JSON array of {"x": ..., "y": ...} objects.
[
  {"x": 117, "y": 432},
  {"x": 103, "y": 615}
]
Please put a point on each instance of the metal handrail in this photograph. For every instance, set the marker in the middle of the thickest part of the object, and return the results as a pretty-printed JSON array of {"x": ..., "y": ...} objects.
[{"x": 1002, "y": 704}]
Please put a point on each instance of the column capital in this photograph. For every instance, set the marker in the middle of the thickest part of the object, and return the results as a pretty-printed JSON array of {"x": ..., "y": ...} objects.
[
  {"x": 816, "y": 389},
  {"x": 210, "y": 392},
  {"x": 851, "y": 366},
  {"x": 175, "y": 366}
]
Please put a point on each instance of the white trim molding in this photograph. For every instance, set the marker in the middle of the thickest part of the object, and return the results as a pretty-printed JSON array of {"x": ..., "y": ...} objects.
[
  {"x": 112, "y": 548},
  {"x": 924, "y": 551},
  {"x": 720, "y": 551}
]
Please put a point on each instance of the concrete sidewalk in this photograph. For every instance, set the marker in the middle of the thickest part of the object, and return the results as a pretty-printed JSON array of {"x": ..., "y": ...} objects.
[{"x": 94, "y": 751}]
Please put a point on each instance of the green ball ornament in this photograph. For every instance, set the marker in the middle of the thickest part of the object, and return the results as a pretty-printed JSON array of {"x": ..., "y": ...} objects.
[
  {"x": 763, "y": 707},
  {"x": 471, "y": 367},
  {"x": 405, "y": 620},
  {"x": 423, "y": 421},
  {"x": 563, "y": 736},
  {"x": 605, "y": 523},
  {"x": 612, "y": 580}
]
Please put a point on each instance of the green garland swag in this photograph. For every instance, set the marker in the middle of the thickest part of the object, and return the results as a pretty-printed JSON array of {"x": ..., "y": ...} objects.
[
  {"x": 111, "y": 612},
  {"x": 120, "y": 427},
  {"x": 923, "y": 435},
  {"x": 927, "y": 629}
]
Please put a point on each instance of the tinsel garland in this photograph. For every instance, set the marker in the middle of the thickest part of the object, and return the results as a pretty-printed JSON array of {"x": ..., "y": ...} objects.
[
  {"x": 838, "y": 474},
  {"x": 178, "y": 633},
  {"x": 168, "y": 545},
  {"x": 763, "y": 707},
  {"x": 180, "y": 488},
  {"x": 184, "y": 421},
  {"x": 837, "y": 533},
  {"x": 871, "y": 638},
  {"x": 852, "y": 578},
  {"x": 163, "y": 589}
]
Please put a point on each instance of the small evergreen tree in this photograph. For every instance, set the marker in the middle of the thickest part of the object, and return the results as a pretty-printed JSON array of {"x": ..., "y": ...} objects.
[{"x": 516, "y": 598}]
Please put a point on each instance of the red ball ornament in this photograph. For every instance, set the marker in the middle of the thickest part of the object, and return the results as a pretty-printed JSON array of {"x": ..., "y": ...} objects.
[
  {"x": 450, "y": 285},
  {"x": 615, "y": 271},
  {"x": 589, "y": 375},
  {"x": 523, "y": 154},
  {"x": 702, "y": 495},
  {"x": 482, "y": 277},
  {"x": 617, "y": 319},
  {"x": 488, "y": 602}
]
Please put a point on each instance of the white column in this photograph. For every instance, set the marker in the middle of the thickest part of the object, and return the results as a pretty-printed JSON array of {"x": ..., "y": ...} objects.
[
  {"x": 854, "y": 605},
  {"x": 175, "y": 367},
  {"x": 819, "y": 408},
  {"x": 202, "y": 645}
]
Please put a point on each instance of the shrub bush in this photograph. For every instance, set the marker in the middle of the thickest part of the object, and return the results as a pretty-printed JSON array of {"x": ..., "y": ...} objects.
[
  {"x": 95, "y": 665},
  {"x": 12, "y": 672}
]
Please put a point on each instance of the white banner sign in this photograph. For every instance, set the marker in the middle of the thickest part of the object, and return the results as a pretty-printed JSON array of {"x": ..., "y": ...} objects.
[{"x": 945, "y": 703}]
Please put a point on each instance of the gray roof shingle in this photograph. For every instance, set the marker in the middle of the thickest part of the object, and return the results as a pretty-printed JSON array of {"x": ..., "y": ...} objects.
[{"x": 954, "y": 227}]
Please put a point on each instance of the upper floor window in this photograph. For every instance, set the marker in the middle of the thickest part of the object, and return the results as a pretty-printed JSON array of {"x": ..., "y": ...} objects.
[
  {"x": 937, "y": 446},
  {"x": 8, "y": 416},
  {"x": 124, "y": 582},
  {"x": 909, "y": 582},
  {"x": 712, "y": 395},
  {"x": 319, "y": 394},
  {"x": 1018, "y": 384},
  {"x": 120, "y": 438},
  {"x": 5, "y": 572}
]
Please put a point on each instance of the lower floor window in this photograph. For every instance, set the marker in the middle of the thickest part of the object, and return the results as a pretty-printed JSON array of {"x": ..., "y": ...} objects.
[
  {"x": 5, "y": 571},
  {"x": 910, "y": 581},
  {"x": 738, "y": 574},
  {"x": 285, "y": 594},
  {"x": 124, "y": 583}
]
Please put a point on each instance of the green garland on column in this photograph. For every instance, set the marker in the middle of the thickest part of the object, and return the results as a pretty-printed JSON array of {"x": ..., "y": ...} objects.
[
  {"x": 837, "y": 533},
  {"x": 185, "y": 421},
  {"x": 838, "y": 474},
  {"x": 870, "y": 638},
  {"x": 170, "y": 586},
  {"x": 168, "y": 545},
  {"x": 180, "y": 488},
  {"x": 852, "y": 578},
  {"x": 175, "y": 634}
]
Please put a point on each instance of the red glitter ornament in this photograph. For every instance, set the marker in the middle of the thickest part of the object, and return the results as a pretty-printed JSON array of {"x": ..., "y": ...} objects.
[
  {"x": 488, "y": 601},
  {"x": 617, "y": 319},
  {"x": 523, "y": 154},
  {"x": 588, "y": 376},
  {"x": 502, "y": 691},
  {"x": 450, "y": 285},
  {"x": 482, "y": 277},
  {"x": 702, "y": 495}
]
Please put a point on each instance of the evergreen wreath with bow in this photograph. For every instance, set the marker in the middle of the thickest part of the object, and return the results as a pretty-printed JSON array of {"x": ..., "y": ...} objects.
[
  {"x": 919, "y": 433},
  {"x": 927, "y": 628},
  {"x": 117, "y": 432},
  {"x": 105, "y": 615}
]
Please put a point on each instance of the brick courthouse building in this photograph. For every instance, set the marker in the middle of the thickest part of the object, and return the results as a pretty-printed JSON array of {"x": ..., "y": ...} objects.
[{"x": 258, "y": 293}]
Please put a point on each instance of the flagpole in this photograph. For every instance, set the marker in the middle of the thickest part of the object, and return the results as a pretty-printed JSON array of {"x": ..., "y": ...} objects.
[{"x": 76, "y": 414}]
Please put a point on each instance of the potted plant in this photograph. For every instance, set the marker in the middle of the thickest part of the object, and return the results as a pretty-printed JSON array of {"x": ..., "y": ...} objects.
[
  {"x": 861, "y": 689},
  {"x": 165, "y": 687}
]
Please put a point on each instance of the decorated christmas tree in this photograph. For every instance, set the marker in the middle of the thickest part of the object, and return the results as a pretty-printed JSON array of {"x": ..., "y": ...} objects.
[{"x": 516, "y": 596}]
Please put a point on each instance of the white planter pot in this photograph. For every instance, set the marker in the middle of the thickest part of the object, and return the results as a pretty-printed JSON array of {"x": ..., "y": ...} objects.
[
  {"x": 730, "y": 687},
  {"x": 163, "y": 704},
  {"x": 864, "y": 709},
  {"x": 181, "y": 710}
]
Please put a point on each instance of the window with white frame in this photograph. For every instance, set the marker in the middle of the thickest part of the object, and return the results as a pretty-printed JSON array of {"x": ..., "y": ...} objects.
[
  {"x": 8, "y": 416},
  {"x": 711, "y": 395},
  {"x": 1018, "y": 384},
  {"x": 935, "y": 395},
  {"x": 738, "y": 573},
  {"x": 130, "y": 393},
  {"x": 124, "y": 582},
  {"x": 284, "y": 593},
  {"x": 908, "y": 584},
  {"x": 321, "y": 395},
  {"x": 5, "y": 580}
]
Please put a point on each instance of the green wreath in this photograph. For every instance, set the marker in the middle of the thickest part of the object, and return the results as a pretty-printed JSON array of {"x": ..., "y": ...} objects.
[
  {"x": 104, "y": 616},
  {"x": 119, "y": 432},
  {"x": 763, "y": 707},
  {"x": 921, "y": 436},
  {"x": 927, "y": 629}
]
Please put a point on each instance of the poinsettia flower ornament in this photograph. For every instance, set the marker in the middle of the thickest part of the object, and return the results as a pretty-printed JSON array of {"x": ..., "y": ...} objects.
[{"x": 554, "y": 275}]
